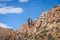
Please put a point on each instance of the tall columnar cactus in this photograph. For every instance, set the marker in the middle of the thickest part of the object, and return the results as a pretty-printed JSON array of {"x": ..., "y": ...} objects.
[{"x": 29, "y": 20}]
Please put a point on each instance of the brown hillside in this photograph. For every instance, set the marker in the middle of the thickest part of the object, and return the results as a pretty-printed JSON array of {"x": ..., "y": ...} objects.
[{"x": 6, "y": 34}]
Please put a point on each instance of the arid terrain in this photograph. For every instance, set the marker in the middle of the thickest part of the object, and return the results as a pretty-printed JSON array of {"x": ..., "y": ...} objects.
[{"x": 46, "y": 27}]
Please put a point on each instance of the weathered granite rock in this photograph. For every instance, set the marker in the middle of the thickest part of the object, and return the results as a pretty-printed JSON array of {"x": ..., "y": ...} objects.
[{"x": 46, "y": 27}]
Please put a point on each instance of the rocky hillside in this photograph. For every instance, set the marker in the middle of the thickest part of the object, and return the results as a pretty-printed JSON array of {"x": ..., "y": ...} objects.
[
  {"x": 46, "y": 27},
  {"x": 6, "y": 34}
]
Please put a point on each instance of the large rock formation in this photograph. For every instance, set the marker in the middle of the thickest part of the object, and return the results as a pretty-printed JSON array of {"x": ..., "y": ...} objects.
[{"x": 46, "y": 27}]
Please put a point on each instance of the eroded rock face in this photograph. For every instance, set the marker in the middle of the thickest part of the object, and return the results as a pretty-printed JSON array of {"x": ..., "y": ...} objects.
[{"x": 46, "y": 27}]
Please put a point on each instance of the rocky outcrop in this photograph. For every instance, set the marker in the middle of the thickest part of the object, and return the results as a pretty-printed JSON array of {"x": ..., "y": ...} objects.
[{"x": 46, "y": 27}]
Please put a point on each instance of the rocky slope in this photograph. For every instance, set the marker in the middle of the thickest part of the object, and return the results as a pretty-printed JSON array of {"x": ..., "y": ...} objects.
[
  {"x": 46, "y": 27},
  {"x": 6, "y": 34}
]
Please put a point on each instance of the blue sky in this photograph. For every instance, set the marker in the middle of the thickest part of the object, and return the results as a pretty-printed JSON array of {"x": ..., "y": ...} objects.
[{"x": 14, "y": 13}]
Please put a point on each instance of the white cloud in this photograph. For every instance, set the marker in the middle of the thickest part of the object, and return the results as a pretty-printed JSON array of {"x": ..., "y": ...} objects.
[
  {"x": 23, "y": 0},
  {"x": 4, "y": 25},
  {"x": 9, "y": 10}
]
